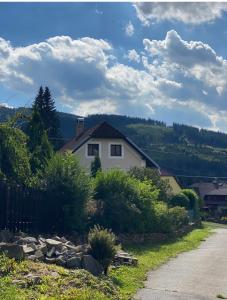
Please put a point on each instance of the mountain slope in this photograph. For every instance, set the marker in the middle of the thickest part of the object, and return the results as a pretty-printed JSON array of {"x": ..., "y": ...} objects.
[{"x": 179, "y": 149}]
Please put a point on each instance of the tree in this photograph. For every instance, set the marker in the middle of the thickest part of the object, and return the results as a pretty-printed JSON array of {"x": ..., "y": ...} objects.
[
  {"x": 195, "y": 203},
  {"x": 68, "y": 190},
  {"x": 96, "y": 166},
  {"x": 39, "y": 145},
  {"x": 44, "y": 105},
  {"x": 14, "y": 155},
  {"x": 49, "y": 115}
]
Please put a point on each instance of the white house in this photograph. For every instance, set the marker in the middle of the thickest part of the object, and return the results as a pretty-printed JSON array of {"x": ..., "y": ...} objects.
[{"x": 114, "y": 148}]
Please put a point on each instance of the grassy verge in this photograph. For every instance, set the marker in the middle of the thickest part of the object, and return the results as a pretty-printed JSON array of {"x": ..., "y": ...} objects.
[
  {"x": 150, "y": 256},
  {"x": 28, "y": 280}
]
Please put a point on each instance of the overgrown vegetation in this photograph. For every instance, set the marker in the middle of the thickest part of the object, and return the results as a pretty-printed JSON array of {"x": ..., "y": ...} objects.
[
  {"x": 30, "y": 280},
  {"x": 102, "y": 243}
]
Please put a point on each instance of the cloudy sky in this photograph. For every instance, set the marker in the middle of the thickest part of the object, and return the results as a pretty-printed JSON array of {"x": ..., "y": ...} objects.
[{"x": 165, "y": 61}]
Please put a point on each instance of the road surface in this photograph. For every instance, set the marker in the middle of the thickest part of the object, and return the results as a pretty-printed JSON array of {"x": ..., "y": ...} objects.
[{"x": 200, "y": 274}]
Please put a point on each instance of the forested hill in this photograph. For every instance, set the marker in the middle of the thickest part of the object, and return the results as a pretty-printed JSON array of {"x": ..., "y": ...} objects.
[{"x": 180, "y": 149}]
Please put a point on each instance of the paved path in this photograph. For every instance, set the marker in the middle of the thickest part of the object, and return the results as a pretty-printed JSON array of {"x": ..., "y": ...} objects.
[{"x": 200, "y": 274}]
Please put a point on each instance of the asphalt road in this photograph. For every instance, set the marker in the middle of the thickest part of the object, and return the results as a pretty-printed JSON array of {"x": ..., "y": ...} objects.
[{"x": 200, "y": 274}]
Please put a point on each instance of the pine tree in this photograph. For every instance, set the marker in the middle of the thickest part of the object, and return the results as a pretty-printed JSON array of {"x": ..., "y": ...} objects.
[
  {"x": 39, "y": 103},
  {"x": 96, "y": 166},
  {"x": 49, "y": 115}
]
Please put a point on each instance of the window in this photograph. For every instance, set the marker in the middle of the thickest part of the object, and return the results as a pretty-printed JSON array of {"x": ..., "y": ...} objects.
[
  {"x": 92, "y": 149},
  {"x": 115, "y": 150}
]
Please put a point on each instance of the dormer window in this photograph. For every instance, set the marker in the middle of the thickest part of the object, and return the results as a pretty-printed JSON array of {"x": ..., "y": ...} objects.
[{"x": 92, "y": 149}]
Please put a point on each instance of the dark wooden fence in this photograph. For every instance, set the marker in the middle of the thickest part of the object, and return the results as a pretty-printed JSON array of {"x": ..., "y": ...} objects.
[{"x": 19, "y": 207}]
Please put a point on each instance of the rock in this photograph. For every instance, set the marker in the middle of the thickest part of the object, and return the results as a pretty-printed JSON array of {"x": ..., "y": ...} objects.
[
  {"x": 74, "y": 262},
  {"x": 50, "y": 260},
  {"x": 28, "y": 250},
  {"x": 6, "y": 236},
  {"x": 51, "y": 252},
  {"x": 124, "y": 258},
  {"x": 39, "y": 255},
  {"x": 13, "y": 251},
  {"x": 60, "y": 261},
  {"x": 42, "y": 247},
  {"x": 52, "y": 243},
  {"x": 27, "y": 240},
  {"x": 92, "y": 265},
  {"x": 63, "y": 240},
  {"x": 34, "y": 279},
  {"x": 41, "y": 240}
]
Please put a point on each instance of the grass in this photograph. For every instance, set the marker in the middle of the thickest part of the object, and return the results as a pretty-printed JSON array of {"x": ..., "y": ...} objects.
[
  {"x": 220, "y": 296},
  {"x": 52, "y": 282},
  {"x": 150, "y": 256}
]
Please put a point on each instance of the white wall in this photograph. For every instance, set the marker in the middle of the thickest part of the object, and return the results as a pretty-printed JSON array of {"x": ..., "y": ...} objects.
[{"x": 130, "y": 158}]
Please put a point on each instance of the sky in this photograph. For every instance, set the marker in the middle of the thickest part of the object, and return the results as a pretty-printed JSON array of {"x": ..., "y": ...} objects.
[{"x": 164, "y": 61}]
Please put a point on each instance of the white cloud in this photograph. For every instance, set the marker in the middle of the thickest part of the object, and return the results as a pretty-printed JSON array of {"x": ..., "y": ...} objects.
[
  {"x": 129, "y": 29},
  {"x": 187, "y": 12},
  {"x": 133, "y": 56},
  {"x": 177, "y": 80}
]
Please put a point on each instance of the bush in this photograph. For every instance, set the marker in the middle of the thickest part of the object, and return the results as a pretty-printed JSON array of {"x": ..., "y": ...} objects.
[
  {"x": 178, "y": 217},
  {"x": 102, "y": 244},
  {"x": 68, "y": 189},
  {"x": 125, "y": 203},
  {"x": 195, "y": 203},
  {"x": 168, "y": 220},
  {"x": 180, "y": 199},
  {"x": 144, "y": 174}
]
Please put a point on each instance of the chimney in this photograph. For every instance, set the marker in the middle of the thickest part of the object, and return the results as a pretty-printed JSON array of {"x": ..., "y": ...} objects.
[{"x": 79, "y": 126}]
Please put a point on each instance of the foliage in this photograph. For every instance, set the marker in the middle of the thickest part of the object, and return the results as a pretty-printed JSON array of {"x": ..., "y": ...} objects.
[
  {"x": 96, "y": 166},
  {"x": 14, "y": 155},
  {"x": 102, "y": 243},
  {"x": 68, "y": 189},
  {"x": 150, "y": 256},
  {"x": 180, "y": 199},
  {"x": 125, "y": 202},
  {"x": 153, "y": 175},
  {"x": 168, "y": 220},
  {"x": 194, "y": 202}
]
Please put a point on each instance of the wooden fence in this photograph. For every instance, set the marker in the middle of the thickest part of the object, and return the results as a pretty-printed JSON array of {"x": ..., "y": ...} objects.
[{"x": 19, "y": 208}]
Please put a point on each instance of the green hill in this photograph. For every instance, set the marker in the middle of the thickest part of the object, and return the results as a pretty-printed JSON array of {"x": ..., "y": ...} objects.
[{"x": 180, "y": 149}]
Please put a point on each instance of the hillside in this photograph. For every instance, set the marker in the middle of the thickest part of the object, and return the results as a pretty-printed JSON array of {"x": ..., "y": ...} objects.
[{"x": 179, "y": 149}]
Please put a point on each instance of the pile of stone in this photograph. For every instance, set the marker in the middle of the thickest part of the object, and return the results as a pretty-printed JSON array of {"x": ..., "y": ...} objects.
[
  {"x": 55, "y": 250},
  {"x": 124, "y": 258}
]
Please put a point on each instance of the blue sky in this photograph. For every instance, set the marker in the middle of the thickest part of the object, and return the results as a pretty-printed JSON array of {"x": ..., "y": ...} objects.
[{"x": 165, "y": 61}]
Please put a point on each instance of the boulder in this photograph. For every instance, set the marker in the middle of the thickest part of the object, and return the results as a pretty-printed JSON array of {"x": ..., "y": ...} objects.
[
  {"x": 92, "y": 265},
  {"x": 13, "y": 251},
  {"x": 28, "y": 250},
  {"x": 74, "y": 262},
  {"x": 50, "y": 260},
  {"x": 60, "y": 261},
  {"x": 52, "y": 243},
  {"x": 51, "y": 252},
  {"x": 42, "y": 247},
  {"x": 27, "y": 240}
]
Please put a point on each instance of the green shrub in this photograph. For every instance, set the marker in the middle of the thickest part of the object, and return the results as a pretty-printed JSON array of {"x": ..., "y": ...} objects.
[
  {"x": 68, "y": 189},
  {"x": 96, "y": 166},
  {"x": 125, "y": 203},
  {"x": 195, "y": 202},
  {"x": 144, "y": 174},
  {"x": 167, "y": 220},
  {"x": 178, "y": 217},
  {"x": 180, "y": 199},
  {"x": 102, "y": 244}
]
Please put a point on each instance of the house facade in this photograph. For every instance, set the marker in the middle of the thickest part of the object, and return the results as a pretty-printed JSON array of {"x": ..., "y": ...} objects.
[
  {"x": 214, "y": 195},
  {"x": 114, "y": 148},
  {"x": 172, "y": 181}
]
